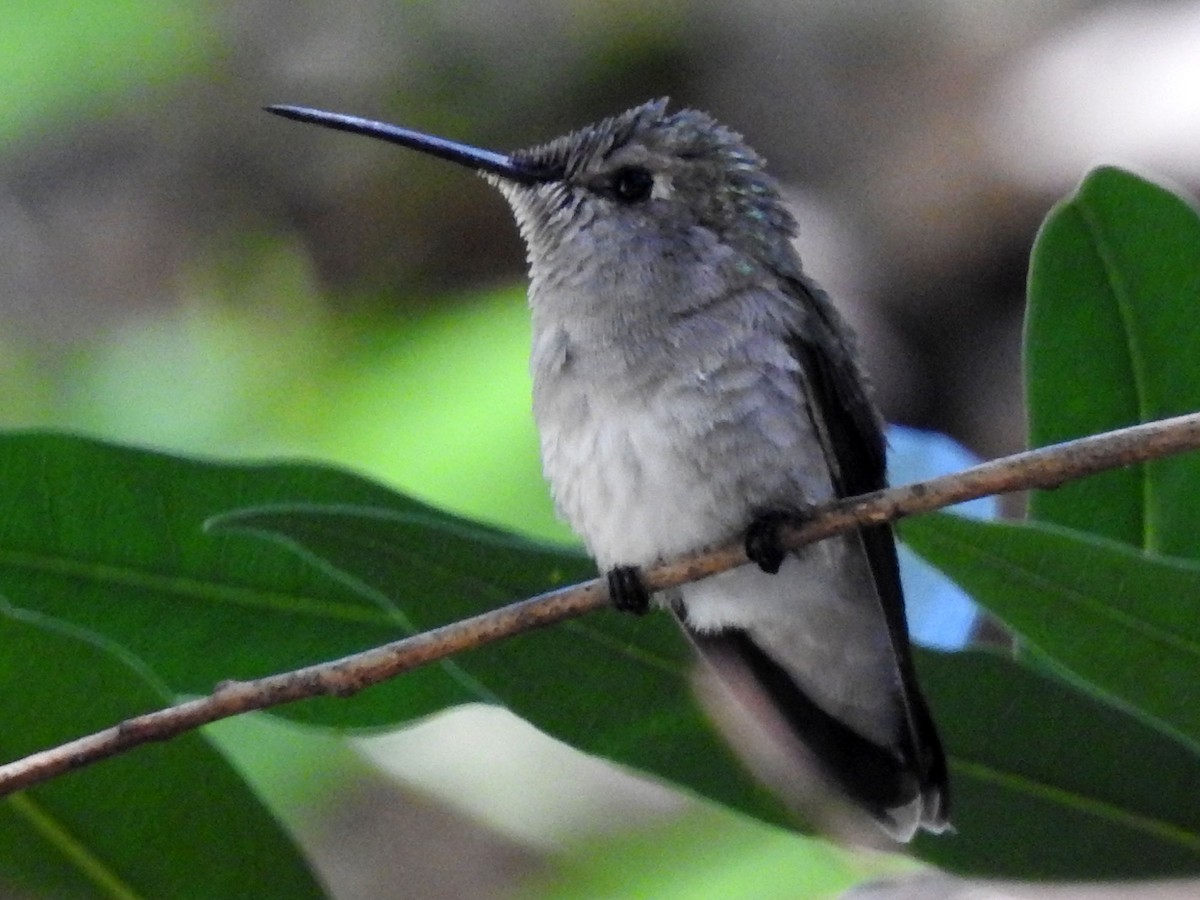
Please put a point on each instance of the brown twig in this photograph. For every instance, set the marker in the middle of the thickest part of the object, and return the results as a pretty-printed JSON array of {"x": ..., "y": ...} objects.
[{"x": 1045, "y": 468}]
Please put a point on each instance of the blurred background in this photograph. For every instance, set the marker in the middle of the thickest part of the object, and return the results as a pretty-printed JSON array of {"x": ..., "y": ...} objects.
[{"x": 180, "y": 270}]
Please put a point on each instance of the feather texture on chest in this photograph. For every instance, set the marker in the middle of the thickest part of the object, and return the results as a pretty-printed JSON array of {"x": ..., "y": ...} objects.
[{"x": 648, "y": 464}]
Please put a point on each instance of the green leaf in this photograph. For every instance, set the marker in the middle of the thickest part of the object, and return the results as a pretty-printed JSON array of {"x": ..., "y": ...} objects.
[
  {"x": 110, "y": 539},
  {"x": 579, "y": 681},
  {"x": 1126, "y": 623},
  {"x": 1050, "y": 783},
  {"x": 167, "y": 820},
  {"x": 1111, "y": 334},
  {"x": 438, "y": 568}
]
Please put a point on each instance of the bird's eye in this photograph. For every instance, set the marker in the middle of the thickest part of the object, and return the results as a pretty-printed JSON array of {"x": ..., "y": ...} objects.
[{"x": 631, "y": 184}]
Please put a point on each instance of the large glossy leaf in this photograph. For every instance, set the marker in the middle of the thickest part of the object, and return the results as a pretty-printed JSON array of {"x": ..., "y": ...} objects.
[
  {"x": 1112, "y": 332},
  {"x": 608, "y": 684},
  {"x": 1050, "y": 783},
  {"x": 1125, "y": 622},
  {"x": 111, "y": 539},
  {"x": 172, "y": 820}
]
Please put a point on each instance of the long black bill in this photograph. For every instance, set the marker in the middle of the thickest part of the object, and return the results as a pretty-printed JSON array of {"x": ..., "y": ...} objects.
[{"x": 464, "y": 155}]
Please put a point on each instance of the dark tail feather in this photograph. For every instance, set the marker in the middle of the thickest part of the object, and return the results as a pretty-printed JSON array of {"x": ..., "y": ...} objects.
[{"x": 902, "y": 787}]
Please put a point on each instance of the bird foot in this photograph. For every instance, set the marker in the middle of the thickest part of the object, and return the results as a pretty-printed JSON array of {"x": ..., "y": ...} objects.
[
  {"x": 627, "y": 591},
  {"x": 763, "y": 539}
]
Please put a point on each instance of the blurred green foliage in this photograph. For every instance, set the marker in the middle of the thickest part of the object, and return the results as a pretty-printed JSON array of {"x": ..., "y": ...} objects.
[
  {"x": 59, "y": 60},
  {"x": 740, "y": 859}
]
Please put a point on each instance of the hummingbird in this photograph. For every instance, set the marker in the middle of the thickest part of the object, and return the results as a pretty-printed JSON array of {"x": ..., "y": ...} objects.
[{"x": 693, "y": 386}]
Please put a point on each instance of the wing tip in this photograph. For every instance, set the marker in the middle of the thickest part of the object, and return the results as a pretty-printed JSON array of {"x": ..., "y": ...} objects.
[{"x": 925, "y": 812}]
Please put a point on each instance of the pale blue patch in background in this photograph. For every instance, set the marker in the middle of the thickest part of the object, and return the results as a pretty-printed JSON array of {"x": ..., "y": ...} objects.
[{"x": 940, "y": 615}]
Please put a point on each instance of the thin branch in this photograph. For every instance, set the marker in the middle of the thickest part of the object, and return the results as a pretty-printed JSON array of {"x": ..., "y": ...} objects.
[{"x": 1048, "y": 467}]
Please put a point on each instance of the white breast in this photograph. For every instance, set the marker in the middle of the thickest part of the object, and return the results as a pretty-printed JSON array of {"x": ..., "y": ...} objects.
[
  {"x": 643, "y": 473},
  {"x": 624, "y": 481}
]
